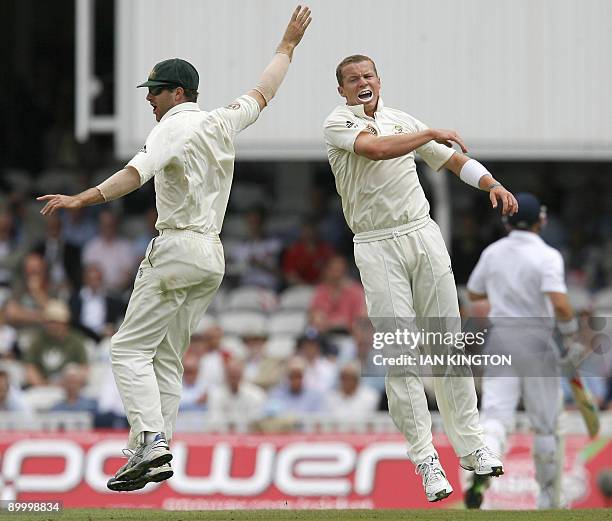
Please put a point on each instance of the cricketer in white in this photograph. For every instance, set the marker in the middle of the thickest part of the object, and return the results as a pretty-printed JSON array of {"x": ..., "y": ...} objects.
[
  {"x": 404, "y": 265},
  {"x": 191, "y": 155}
]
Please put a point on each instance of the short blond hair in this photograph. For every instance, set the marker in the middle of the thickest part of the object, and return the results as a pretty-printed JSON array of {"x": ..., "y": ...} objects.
[{"x": 354, "y": 58}]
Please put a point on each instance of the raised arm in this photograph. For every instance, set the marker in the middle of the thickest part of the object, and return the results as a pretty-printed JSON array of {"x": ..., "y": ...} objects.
[
  {"x": 119, "y": 184},
  {"x": 275, "y": 72}
]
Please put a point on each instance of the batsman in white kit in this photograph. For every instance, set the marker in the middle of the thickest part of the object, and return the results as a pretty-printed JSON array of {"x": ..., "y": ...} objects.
[
  {"x": 399, "y": 250},
  {"x": 523, "y": 279},
  {"x": 191, "y": 155}
]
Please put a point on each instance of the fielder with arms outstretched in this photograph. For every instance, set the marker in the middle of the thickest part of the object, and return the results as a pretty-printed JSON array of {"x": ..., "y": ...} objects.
[
  {"x": 191, "y": 154},
  {"x": 404, "y": 265}
]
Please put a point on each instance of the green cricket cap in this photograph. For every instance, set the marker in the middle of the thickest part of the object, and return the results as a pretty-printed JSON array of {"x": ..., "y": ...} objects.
[{"x": 173, "y": 72}]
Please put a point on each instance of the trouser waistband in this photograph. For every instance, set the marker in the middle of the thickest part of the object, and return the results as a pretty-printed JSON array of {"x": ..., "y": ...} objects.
[
  {"x": 211, "y": 237},
  {"x": 391, "y": 233}
]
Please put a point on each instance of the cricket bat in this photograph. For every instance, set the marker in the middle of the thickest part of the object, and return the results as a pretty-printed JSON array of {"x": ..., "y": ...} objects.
[{"x": 586, "y": 405}]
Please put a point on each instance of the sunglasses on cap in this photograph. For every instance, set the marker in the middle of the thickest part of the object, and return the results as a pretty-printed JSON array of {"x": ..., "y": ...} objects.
[{"x": 156, "y": 91}]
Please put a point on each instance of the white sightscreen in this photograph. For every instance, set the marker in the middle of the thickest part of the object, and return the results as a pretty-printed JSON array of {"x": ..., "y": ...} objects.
[{"x": 517, "y": 78}]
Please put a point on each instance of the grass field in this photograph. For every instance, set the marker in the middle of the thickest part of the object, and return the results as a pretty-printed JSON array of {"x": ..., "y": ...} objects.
[{"x": 318, "y": 515}]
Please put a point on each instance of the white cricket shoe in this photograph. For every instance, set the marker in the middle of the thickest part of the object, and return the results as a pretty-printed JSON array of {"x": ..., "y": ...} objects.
[
  {"x": 154, "y": 475},
  {"x": 483, "y": 462},
  {"x": 146, "y": 456},
  {"x": 435, "y": 483}
]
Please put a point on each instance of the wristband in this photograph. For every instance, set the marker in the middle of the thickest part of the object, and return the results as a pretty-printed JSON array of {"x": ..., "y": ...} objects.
[
  {"x": 569, "y": 327},
  {"x": 471, "y": 172}
]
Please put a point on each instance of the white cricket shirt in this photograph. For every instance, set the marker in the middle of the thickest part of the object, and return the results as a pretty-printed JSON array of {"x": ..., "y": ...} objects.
[
  {"x": 515, "y": 273},
  {"x": 191, "y": 154},
  {"x": 378, "y": 194}
]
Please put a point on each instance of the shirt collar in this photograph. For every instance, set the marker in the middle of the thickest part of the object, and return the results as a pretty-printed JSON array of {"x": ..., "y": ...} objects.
[
  {"x": 359, "y": 110},
  {"x": 525, "y": 235},
  {"x": 181, "y": 107}
]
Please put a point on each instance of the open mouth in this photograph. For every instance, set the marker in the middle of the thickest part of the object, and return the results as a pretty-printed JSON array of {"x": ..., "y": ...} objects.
[{"x": 365, "y": 95}]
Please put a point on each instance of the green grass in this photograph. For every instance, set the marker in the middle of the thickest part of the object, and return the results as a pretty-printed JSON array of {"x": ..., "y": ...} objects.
[{"x": 316, "y": 515}]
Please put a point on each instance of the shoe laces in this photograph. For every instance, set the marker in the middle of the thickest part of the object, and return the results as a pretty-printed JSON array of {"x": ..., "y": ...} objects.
[
  {"x": 484, "y": 454},
  {"x": 430, "y": 470},
  {"x": 128, "y": 453}
]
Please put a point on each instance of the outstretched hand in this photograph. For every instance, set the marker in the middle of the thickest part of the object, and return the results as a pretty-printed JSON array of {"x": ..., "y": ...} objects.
[
  {"x": 57, "y": 201},
  {"x": 509, "y": 202},
  {"x": 448, "y": 137},
  {"x": 300, "y": 20}
]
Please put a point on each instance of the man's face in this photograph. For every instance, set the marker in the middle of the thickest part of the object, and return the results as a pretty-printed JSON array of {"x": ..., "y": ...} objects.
[
  {"x": 360, "y": 85},
  {"x": 296, "y": 380},
  {"x": 162, "y": 99}
]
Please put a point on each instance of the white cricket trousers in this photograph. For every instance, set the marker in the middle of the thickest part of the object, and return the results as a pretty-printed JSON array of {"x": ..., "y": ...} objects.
[
  {"x": 174, "y": 285},
  {"x": 406, "y": 273}
]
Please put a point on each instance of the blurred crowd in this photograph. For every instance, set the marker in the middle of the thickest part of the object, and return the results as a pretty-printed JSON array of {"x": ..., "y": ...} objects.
[{"x": 286, "y": 336}]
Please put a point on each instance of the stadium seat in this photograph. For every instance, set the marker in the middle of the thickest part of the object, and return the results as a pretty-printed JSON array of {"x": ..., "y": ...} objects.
[
  {"x": 251, "y": 299},
  {"x": 218, "y": 302},
  {"x": 42, "y": 398},
  {"x": 280, "y": 346},
  {"x": 296, "y": 298},
  {"x": 95, "y": 376},
  {"x": 288, "y": 323},
  {"x": 239, "y": 323}
]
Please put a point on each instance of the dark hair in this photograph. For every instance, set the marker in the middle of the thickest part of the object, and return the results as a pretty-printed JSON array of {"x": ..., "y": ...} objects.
[
  {"x": 191, "y": 95},
  {"x": 355, "y": 58}
]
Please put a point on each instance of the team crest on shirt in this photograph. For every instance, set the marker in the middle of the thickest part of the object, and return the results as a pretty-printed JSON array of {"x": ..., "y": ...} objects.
[
  {"x": 372, "y": 130},
  {"x": 233, "y": 106}
]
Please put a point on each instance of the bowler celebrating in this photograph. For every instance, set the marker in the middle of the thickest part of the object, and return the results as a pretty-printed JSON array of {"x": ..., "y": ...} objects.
[
  {"x": 191, "y": 154},
  {"x": 404, "y": 265}
]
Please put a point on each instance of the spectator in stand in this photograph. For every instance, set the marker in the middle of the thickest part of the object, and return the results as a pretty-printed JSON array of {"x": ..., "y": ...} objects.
[
  {"x": 93, "y": 311},
  {"x": 257, "y": 258},
  {"x": 352, "y": 401},
  {"x": 303, "y": 262},
  {"x": 112, "y": 253},
  {"x": 9, "y": 348},
  {"x": 141, "y": 242},
  {"x": 63, "y": 258},
  {"x": 194, "y": 395},
  {"x": 74, "y": 379},
  {"x": 10, "y": 250},
  {"x": 260, "y": 368},
  {"x": 206, "y": 345},
  {"x": 10, "y": 396},
  {"x": 79, "y": 226},
  {"x": 56, "y": 346},
  {"x": 320, "y": 373},
  {"x": 338, "y": 301},
  {"x": 236, "y": 400},
  {"x": 30, "y": 296},
  {"x": 294, "y": 398}
]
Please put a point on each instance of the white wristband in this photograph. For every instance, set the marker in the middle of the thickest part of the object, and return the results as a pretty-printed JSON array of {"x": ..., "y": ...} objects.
[
  {"x": 569, "y": 327},
  {"x": 471, "y": 172}
]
